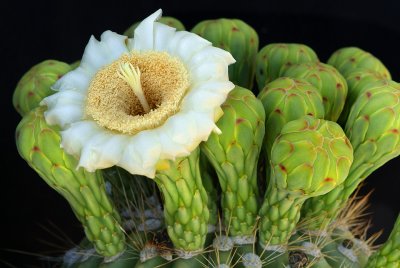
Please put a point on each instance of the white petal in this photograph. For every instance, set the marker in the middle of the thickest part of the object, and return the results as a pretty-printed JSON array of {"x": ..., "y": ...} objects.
[
  {"x": 95, "y": 56},
  {"x": 207, "y": 96},
  {"x": 141, "y": 154},
  {"x": 162, "y": 35},
  {"x": 78, "y": 79},
  {"x": 115, "y": 43},
  {"x": 201, "y": 100},
  {"x": 212, "y": 70},
  {"x": 100, "y": 53},
  {"x": 143, "y": 38},
  {"x": 210, "y": 54},
  {"x": 64, "y": 107},
  {"x": 103, "y": 150},
  {"x": 77, "y": 135},
  {"x": 184, "y": 45}
]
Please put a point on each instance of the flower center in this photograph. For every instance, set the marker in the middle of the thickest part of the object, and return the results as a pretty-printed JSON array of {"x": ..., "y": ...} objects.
[{"x": 138, "y": 91}]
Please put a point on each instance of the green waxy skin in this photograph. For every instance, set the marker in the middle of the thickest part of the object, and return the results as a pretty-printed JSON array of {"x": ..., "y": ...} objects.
[
  {"x": 349, "y": 58},
  {"x": 286, "y": 99},
  {"x": 344, "y": 250},
  {"x": 357, "y": 80},
  {"x": 273, "y": 59},
  {"x": 185, "y": 202},
  {"x": 327, "y": 80},
  {"x": 39, "y": 145},
  {"x": 209, "y": 183},
  {"x": 170, "y": 21},
  {"x": 238, "y": 38},
  {"x": 309, "y": 158},
  {"x": 373, "y": 129},
  {"x": 36, "y": 84},
  {"x": 234, "y": 156},
  {"x": 388, "y": 256}
]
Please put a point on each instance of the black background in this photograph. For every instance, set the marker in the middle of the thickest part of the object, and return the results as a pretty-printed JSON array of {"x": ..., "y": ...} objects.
[{"x": 33, "y": 32}]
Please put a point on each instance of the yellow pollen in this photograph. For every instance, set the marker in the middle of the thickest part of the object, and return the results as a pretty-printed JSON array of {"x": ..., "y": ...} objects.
[
  {"x": 136, "y": 92},
  {"x": 131, "y": 75}
]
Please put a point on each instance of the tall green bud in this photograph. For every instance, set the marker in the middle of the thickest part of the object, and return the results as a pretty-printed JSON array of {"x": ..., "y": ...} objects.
[
  {"x": 273, "y": 59},
  {"x": 357, "y": 80},
  {"x": 349, "y": 58},
  {"x": 234, "y": 156},
  {"x": 286, "y": 99},
  {"x": 373, "y": 129},
  {"x": 238, "y": 38},
  {"x": 39, "y": 145},
  {"x": 327, "y": 80},
  {"x": 309, "y": 158},
  {"x": 36, "y": 84}
]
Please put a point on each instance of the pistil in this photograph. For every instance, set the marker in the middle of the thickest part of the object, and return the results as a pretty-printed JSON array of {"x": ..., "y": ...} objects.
[{"x": 131, "y": 75}]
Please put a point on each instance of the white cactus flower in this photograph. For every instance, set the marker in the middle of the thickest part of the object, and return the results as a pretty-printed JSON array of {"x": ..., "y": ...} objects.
[{"x": 134, "y": 102}]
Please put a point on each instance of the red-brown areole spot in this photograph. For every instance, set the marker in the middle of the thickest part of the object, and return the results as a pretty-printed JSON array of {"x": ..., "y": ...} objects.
[
  {"x": 338, "y": 85},
  {"x": 283, "y": 168},
  {"x": 366, "y": 117},
  {"x": 30, "y": 93},
  {"x": 352, "y": 59},
  {"x": 234, "y": 29},
  {"x": 278, "y": 111},
  {"x": 358, "y": 77},
  {"x": 328, "y": 179},
  {"x": 395, "y": 131},
  {"x": 36, "y": 149},
  {"x": 239, "y": 120},
  {"x": 368, "y": 94}
]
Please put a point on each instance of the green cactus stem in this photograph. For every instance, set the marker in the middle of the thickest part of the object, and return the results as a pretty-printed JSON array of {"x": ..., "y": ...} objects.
[
  {"x": 39, "y": 145},
  {"x": 185, "y": 202},
  {"x": 237, "y": 37},
  {"x": 388, "y": 255}
]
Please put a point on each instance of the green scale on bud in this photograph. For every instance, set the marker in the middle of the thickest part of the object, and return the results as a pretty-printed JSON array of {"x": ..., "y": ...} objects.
[
  {"x": 185, "y": 199},
  {"x": 373, "y": 129},
  {"x": 309, "y": 158},
  {"x": 36, "y": 84},
  {"x": 273, "y": 59},
  {"x": 286, "y": 99},
  {"x": 170, "y": 21},
  {"x": 238, "y": 38},
  {"x": 356, "y": 82},
  {"x": 327, "y": 80},
  {"x": 39, "y": 145},
  {"x": 388, "y": 256},
  {"x": 234, "y": 155},
  {"x": 349, "y": 58}
]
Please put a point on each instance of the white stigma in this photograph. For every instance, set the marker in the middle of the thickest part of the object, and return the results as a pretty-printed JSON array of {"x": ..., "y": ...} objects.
[{"x": 131, "y": 75}]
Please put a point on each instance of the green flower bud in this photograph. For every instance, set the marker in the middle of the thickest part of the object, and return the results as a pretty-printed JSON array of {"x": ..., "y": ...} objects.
[
  {"x": 238, "y": 38},
  {"x": 274, "y": 59},
  {"x": 36, "y": 84}
]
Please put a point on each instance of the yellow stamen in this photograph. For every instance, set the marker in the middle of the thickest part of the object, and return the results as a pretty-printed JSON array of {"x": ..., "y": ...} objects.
[{"x": 131, "y": 75}]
